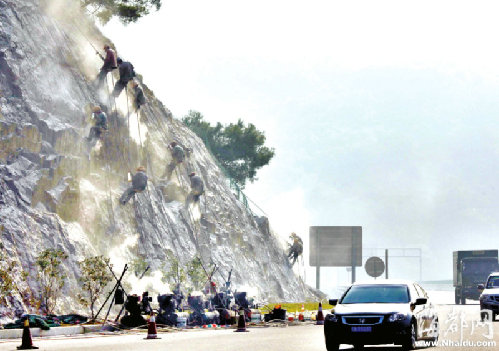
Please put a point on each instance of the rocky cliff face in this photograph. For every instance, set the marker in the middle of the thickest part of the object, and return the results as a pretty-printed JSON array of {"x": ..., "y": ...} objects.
[{"x": 56, "y": 193}]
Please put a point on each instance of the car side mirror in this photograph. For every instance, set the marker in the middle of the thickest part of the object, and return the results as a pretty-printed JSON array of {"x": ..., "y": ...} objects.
[
  {"x": 333, "y": 302},
  {"x": 421, "y": 301},
  {"x": 481, "y": 287}
]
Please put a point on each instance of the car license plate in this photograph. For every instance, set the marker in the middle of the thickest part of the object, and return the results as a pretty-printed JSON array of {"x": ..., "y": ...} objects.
[{"x": 361, "y": 329}]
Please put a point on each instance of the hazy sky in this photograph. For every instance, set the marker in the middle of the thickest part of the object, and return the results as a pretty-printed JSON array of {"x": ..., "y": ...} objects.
[{"x": 382, "y": 113}]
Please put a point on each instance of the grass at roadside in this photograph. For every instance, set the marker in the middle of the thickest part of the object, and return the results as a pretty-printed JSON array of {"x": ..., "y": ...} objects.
[{"x": 296, "y": 306}]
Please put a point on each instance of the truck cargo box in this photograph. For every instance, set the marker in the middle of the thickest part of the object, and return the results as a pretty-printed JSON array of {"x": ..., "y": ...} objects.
[{"x": 459, "y": 255}]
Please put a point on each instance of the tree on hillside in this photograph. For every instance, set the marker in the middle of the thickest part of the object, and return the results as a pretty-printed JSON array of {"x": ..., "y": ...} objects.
[
  {"x": 50, "y": 277},
  {"x": 95, "y": 276},
  {"x": 126, "y": 10},
  {"x": 176, "y": 272},
  {"x": 239, "y": 149},
  {"x": 196, "y": 274},
  {"x": 139, "y": 266},
  {"x": 13, "y": 279}
]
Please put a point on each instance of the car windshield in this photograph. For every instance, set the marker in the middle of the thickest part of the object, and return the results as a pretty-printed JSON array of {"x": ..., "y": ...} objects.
[
  {"x": 481, "y": 266},
  {"x": 493, "y": 283},
  {"x": 377, "y": 294}
]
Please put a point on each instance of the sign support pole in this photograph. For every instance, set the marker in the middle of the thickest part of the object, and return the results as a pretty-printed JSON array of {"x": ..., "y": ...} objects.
[
  {"x": 318, "y": 277},
  {"x": 353, "y": 262},
  {"x": 318, "y": 266},
  {"x": 386, "y": 263}
]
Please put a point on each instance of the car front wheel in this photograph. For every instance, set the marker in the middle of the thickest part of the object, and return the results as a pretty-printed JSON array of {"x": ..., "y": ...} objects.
[
  {"x": 435, "y": 331},
  {"x": 410, "y": 342},
  {"x": 332, "y": 344}
]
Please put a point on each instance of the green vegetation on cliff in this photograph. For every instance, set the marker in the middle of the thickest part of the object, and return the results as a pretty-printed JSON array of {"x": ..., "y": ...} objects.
[
  {"x": 126, "y": 10},
  {"x": 239, "y": 149}
]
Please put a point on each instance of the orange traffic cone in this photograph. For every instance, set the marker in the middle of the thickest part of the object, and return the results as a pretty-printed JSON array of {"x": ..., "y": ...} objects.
[
  {"x": 320, "y": 315},
  {"x": 301, "y": 316},
  {"x": 26, "y": 342},
  {"x": 241, "y": 323},
  {"x": 151, "y": 328}
]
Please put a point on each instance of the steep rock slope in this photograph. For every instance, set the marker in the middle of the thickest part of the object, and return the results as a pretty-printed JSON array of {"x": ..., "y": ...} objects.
[{"x": 54, "y": 193}]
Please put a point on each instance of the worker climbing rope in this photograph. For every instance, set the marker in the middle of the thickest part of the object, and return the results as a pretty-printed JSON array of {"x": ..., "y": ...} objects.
[
  {"x": 139, "y": 184},
  {"x": 178, "y": 156},
  {"x": 140, "y": 98},
  {"x": 295, "y": 248},
  {"x": 126, "y": 74},
  {"x": 110, "y": 63},
  {"x": 99, "y": 119},
  {"x": 197, "y": 188}
]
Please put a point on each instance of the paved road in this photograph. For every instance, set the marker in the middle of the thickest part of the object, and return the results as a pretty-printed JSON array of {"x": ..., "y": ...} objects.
[{"x": 454, "y": 319}]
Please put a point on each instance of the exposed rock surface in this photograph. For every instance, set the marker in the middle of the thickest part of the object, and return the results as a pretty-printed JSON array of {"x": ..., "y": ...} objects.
[{"x": 55, "y": 193}]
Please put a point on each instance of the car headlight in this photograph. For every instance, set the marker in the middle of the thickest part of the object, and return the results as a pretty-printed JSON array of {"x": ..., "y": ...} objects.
[
  {"x": 332, "y": 318},
  {"x": 397, "y": 317}
]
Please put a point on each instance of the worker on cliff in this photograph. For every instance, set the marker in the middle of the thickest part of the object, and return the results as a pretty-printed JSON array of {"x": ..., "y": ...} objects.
[
  {"x": 99, "y": 120},
  {"x": 110, "y": 63},
  {"x": 126, "y": 74},
  {"x": 295, "y": 248},
  {"x": 140, "y": 98},
  {"x": 178, "y": 156},
  {"x": 139, "y": 184},
  {"x": 197, "y": 188}
]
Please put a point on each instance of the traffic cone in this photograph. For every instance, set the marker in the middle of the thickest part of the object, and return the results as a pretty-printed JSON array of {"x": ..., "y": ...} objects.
[
  {"x": 241, "y": 323},
  {"x": 320, "y": 315},
  {"x": 152, "y": 333},
  {"x": 26, "y": 342},
  {"x": 301, "y": 316}
]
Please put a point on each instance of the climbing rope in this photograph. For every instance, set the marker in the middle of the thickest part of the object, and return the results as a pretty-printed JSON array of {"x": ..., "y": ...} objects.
[
  {"x": 115, "y": 118},
  {"x": 107, "y": 172},
  {"x": 149, "y": 167},
  {"x": 86, "y": 38},
  {"x": 108, "y": 182},
  {"x": 112, "y": 101},
  {"x": 163, "y": 134},
  {"x": 128, "y": 124},
  {"x": 140, "y": 136},
  {"x": 191, "y": 215},
  {"x": 137, "y": 211}
]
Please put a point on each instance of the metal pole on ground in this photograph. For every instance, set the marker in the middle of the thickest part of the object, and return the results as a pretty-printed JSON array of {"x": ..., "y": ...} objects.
[
  {"x": 118, "y": 283},
  {"x": 122, "y": 308}
]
